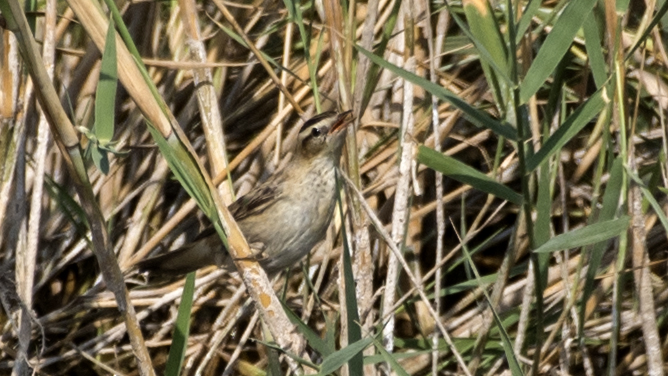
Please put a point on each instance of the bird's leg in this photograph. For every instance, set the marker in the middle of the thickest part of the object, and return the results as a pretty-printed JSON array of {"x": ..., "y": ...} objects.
[{"x": 257, "y": 250}]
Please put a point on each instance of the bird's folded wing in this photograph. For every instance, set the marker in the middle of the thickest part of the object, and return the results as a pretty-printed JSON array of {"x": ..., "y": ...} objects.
[{"x": 256, "y": 201}]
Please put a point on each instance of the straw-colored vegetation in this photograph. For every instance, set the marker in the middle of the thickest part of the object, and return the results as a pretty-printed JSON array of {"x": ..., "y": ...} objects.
[{"x": 539, "y": 246}]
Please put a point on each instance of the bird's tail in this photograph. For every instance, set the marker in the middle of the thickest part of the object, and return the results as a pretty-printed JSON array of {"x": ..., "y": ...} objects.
[{"x": 202, "y": 252}]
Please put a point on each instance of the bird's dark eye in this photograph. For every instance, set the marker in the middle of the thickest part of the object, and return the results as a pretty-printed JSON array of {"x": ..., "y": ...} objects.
[{"x": 315, "y": 132}]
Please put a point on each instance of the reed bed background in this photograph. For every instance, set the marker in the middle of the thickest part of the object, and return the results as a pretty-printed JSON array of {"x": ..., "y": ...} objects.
[{"x": 503, "y": 206}]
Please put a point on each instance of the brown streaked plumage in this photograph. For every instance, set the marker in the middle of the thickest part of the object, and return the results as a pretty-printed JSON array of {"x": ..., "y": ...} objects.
[{"x": 282, "y": 218}]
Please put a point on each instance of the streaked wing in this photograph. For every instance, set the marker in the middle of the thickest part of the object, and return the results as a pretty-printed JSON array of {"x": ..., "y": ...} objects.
[{"x": 256, "y": 201}]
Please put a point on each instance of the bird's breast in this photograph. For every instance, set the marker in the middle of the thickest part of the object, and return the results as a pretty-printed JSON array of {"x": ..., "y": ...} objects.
[{"x": 297, "y": 221}]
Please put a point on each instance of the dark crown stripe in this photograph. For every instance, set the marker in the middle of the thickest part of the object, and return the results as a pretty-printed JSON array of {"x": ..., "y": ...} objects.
[{"x": 316, "y": 119}]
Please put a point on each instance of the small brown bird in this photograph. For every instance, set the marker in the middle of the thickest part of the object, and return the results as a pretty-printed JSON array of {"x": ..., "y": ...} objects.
[{"x": 282, "y": 218}]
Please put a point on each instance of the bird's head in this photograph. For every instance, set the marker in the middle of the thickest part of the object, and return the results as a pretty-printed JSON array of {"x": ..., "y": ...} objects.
[{"x": 323, "y": 134}]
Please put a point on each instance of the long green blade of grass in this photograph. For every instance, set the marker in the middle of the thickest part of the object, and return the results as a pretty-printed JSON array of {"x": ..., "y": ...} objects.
[
  {"x": 587, "y": 235},
  {"x": 390, "y": 359},
  {"x": 105, "y": 95},
  {"x": 599, "y": 69},
  {"x": 569, "y": 129},
  {"x": 475, "y": 116},
  {"x": 182, "y": 329},
  {"x": 318, "y": 344},
  {"x": 333, "y": 362},
  {"x": 486, "y": 33},
  {"x": 655, "y": 21},
  {"x": 530, "y": 10},
  {"x": 356, "y": 362},
  {"x": 513, "y": 363},
  {"x": 608, "y": 211},
  {"x": 457, "y": 170},
  {"x": 105, "y": 101},
  {"x": 542, "y": 227},
  {"x": 486, "y": 57},
  {"x": 556, "y": 44}
]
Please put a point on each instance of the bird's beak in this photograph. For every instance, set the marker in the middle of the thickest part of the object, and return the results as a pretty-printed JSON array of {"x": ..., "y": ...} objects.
[{"x": 342, "y": 120}]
